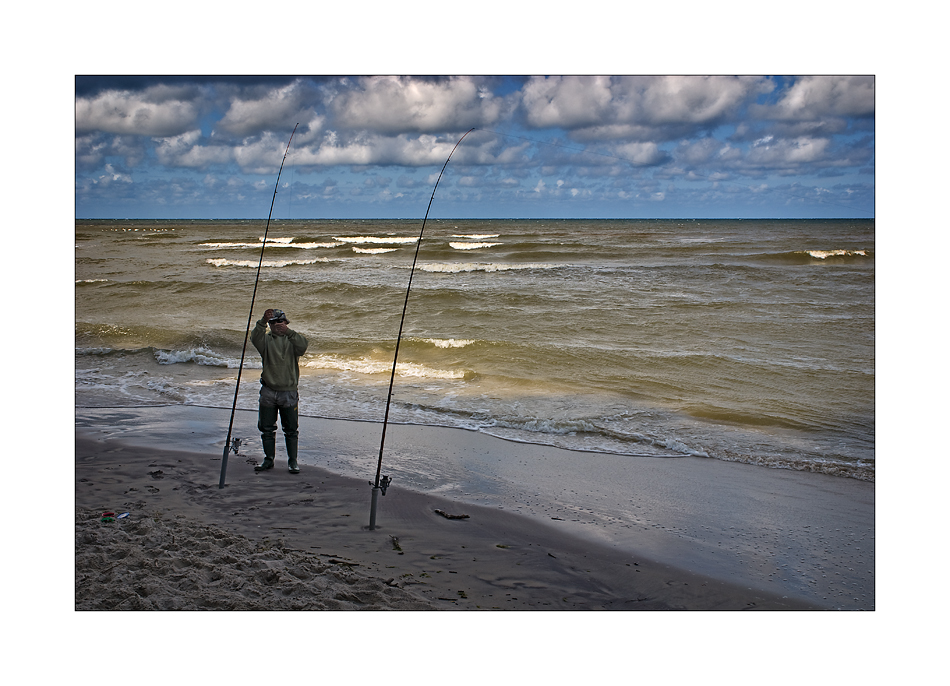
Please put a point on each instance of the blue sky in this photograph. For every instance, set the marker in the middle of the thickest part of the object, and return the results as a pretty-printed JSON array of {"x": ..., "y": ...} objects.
[{"x": 544, "y": 146}]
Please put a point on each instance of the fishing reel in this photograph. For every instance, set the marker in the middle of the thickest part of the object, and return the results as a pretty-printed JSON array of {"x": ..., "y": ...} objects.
[{"x": 383, "y": 483}]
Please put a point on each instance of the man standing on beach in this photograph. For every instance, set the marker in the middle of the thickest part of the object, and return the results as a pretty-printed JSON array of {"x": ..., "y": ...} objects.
[{"x": 280, "y": 350}]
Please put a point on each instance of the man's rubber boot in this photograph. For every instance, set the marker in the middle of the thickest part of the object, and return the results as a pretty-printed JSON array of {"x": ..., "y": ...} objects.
[
  {"x": 291, "y": 443},
  {"x": 270, "y": 449},
  {"x": 267, "y": 425}
]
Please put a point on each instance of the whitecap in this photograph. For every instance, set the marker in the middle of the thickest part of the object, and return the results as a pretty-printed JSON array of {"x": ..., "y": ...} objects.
[
  {"x": 373, "y": 239},
  {"x": 448, "y": 343},
  {"x": 472, "y": 246},
  {"x": 824, "y": 254},
  {"x": 270, "y": 244},
  {"x": 202, "y": 356},
  {"x": 373, "y": 251},
  {"x": 221, "y": 262},
  {"x": 366, "y": 366},
  {"x": 455, "y": 268},
  {"x": 310, "y": 246}
]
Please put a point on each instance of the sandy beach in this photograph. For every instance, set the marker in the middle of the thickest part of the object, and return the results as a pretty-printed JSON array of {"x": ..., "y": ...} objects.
[{"x": 279, "y": 541}]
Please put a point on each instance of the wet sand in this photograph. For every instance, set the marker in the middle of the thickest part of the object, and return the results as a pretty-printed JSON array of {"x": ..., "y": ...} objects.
[{"x": 286, "y": 541}]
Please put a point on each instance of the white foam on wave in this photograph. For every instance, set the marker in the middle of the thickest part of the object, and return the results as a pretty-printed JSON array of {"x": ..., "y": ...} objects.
[
  {"x": 90, "y": 280},
  {"x": 373, "y": 251},
  {"x": 456, "y": 267},
  {"x": 310, "y": 246},
  {"x": 365, "y": 366},
  {"x": 392, "y": 240},
  {"x": 472, "y": 246},
  {"x": 476, "y": 236},
  {"x": 221, "y": 262},
  {"x": 270, "y": 243},
  {"x": 202, "y": 356},
  {"x": 94, "y": 351},
  {"x": 594, "y": 437},
  {"x": 448, "y": 342},
  {"x": 825, "y": 254}
]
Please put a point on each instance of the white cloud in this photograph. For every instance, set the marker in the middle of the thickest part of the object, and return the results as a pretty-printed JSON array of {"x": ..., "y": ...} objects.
[
  {"x": 635, "y": 107},
  {"x": 698, "y": 152},
  {"x": 398, "y": 104},
  {"x": 184, "y": 151},
  {"x": 144, "y": 113},
  {"x": 566, "y": 102},
  {"x": 412, "y": 151},
  {"x": 260, "y": 156},
  {"x": 112, "y": 175},
  {"x": 278, "y": 109},
  {"x": 665, "y": 100},
  {"x": 816, "y": 97},
  {"x": 645, "y": 130},
  {"x": 785, "y": 153},
  {"x": 641, "y": 154}
]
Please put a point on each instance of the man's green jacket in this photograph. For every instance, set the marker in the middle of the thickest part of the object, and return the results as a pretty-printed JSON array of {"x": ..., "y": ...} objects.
[{"x": 279, "y": 355}]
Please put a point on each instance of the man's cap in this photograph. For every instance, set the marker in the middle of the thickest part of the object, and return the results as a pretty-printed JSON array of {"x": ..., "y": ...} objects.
[{"x": 278, "y": 316}]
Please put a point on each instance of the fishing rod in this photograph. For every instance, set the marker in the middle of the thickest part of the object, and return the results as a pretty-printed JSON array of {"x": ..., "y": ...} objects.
[
  {"x": 382, "y": 483},
  {"x": 250, "y": 314}
]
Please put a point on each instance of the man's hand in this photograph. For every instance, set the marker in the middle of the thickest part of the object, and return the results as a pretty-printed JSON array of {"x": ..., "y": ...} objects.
[
  {"x": 268, "y": 314},
  {"x": 280, "y": 328}
]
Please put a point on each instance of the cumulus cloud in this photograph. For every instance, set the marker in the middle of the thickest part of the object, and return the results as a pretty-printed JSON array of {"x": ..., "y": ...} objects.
[
  {"x": 584, "y": 137},
  {"x": 184, "y": 151},
  {"x": 94, "y": 148},
  {"x": 157, "y": 111},
  {"x": 699, "y": 152},
  {"x": 278, "y": 108},
  {"x": 636, "y": 107},
  {"x": 396, "y": 104},
  {"x": 641, "y": 154},
  {"x": 261, "y": 155},
  {"x": 778, "y": 154},
  {"x": 363, "y": 149},
  {"x": 818, "y": 97},
  {"x": 566, "y": 102}
]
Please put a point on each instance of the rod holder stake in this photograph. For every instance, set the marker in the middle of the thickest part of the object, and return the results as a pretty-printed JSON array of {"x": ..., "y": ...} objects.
[{"x": 372, "y": 509}]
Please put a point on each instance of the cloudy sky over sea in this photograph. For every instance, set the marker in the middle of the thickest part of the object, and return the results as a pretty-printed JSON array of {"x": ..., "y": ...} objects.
[{"x": 543, "y": 146}]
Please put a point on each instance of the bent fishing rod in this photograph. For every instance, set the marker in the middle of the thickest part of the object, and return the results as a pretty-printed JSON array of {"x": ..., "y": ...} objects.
[
  {"x": 382, "y": 483},
  {"x": 250, "y": 314}
]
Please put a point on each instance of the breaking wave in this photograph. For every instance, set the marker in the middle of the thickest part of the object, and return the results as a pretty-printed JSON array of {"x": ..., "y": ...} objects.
[
  {"x": 363, "y": 365},
  {"x": 455, "y": 268},
  {"x": 390, "y": 240},
  {"x": 222, "y": 262},
  {"x": 472, "y": 246}
]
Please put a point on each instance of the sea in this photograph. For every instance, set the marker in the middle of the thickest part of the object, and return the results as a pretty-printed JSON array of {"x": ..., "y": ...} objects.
[{"x": 746, "y": 341}]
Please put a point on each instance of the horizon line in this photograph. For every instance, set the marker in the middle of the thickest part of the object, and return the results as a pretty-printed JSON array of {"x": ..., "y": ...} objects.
[{"x": 286, "y": 219}]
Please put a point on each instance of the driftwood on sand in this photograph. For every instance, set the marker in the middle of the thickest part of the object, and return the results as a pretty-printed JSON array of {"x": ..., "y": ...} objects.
[{"x": 451, "y": 516}]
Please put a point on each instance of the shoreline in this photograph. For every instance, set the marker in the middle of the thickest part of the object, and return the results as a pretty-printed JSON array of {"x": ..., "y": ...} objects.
[
  {"x": 491, "y": 560},
  {"x": 582, "y": 561}
]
